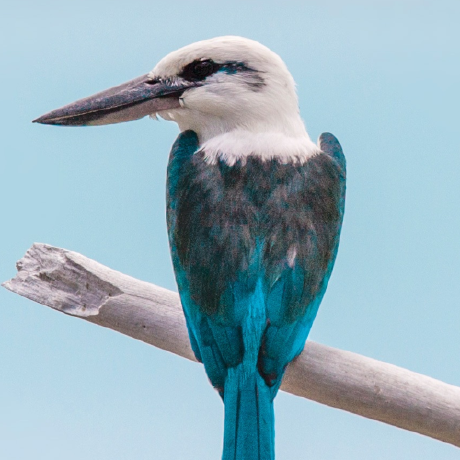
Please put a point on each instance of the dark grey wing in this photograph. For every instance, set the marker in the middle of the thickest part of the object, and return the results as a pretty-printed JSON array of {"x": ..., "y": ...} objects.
[{"x": 304, "y": 217}]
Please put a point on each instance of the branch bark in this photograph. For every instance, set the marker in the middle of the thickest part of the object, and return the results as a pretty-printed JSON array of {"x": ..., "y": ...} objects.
[{"x": 73, "y": 284}]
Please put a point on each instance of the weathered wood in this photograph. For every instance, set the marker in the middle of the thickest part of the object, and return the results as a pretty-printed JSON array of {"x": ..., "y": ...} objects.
[{"x": 78, "y": 286}]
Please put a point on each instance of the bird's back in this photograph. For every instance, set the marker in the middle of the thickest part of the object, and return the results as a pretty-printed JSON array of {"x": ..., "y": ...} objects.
[{"x": 255, "y": 222}]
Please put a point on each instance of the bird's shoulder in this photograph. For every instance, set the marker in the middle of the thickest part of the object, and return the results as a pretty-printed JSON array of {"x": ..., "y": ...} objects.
[
  {"x": 190, "y": 162},
  {"x": 256, "y": 191},
  {"x": 330, "y": 145}
]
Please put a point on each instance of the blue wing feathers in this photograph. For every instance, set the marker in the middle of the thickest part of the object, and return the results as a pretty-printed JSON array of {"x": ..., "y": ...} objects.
[{"x": 253, "y": 246}]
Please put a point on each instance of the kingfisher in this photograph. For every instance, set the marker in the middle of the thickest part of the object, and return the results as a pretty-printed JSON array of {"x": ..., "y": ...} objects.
[{"x": 254, "y": 213}]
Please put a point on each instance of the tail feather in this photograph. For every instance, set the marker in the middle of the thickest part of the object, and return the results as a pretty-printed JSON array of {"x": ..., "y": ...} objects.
[{"x": 249, "y": 418}]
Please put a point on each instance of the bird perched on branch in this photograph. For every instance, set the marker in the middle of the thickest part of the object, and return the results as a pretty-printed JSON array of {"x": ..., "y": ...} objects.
[{"x": 254, "y": 216}]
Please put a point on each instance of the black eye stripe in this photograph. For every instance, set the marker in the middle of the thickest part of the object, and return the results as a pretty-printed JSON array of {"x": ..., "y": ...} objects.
[{"x": 200, "y": 69}]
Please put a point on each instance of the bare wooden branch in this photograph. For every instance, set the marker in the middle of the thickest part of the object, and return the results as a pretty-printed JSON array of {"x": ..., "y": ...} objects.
[{"x": 81, "y": 287}]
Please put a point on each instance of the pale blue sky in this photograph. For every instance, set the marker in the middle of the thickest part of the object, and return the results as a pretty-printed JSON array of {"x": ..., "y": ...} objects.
[{"x": 382, "y": 76}]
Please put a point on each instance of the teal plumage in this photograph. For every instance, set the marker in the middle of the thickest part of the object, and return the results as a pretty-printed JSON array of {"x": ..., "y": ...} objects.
[{"x": 253, "y": 247}]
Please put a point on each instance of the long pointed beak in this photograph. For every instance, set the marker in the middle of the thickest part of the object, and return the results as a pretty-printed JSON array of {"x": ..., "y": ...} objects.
[{"x": 130, "y": 101}]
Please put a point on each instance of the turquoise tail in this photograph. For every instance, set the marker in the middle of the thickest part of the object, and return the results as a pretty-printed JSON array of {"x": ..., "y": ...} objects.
[{"x": 249, "y": 417}]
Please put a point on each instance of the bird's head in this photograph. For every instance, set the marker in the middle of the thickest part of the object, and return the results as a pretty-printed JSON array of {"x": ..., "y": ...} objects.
[{"x": 213, "y": 87}]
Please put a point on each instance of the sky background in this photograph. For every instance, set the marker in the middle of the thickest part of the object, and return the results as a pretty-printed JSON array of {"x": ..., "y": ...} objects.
[{"x": 382, "y": 76}]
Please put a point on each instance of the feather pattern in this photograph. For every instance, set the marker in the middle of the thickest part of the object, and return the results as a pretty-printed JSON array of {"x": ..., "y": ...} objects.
[{"x": 253, "y": 245}]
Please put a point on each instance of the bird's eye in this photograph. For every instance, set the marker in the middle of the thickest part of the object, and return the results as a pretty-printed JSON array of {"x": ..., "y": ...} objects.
[
  {"x": 199, "y": 70},
  {"x": 203, "y": 68}
]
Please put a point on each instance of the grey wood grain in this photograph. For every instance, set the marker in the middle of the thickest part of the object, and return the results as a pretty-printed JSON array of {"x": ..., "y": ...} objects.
[{"x": 81, "y": 287}]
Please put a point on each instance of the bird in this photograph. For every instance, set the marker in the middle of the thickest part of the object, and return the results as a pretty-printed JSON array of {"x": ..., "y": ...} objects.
[{"x": 254, "y": 214}]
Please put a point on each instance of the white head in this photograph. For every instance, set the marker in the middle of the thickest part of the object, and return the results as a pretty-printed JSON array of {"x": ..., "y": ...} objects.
[
  {"x": 236, "y": 94},
  {"x": 244, "y": 102}
]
